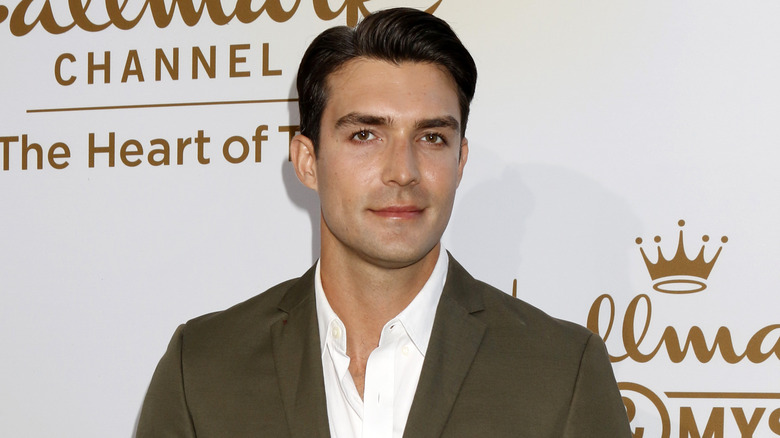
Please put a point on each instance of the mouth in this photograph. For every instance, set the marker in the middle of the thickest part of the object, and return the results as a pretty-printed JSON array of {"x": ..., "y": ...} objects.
[{"x": 399, "y": 212}]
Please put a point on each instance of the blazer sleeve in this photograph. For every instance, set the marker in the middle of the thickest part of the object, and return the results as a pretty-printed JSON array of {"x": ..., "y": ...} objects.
[
  {"x": 165, "y": 413},
  {"x": 596, "y": 409}
]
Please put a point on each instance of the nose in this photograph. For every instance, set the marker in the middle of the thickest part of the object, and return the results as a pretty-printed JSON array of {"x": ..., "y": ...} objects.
[{"x": 401, "y": 165}]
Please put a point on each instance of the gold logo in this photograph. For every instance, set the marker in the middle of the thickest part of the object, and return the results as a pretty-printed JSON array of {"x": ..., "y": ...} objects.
[
  {"x": 163, "y": 11},
  {"x": 680, "y": 275}
]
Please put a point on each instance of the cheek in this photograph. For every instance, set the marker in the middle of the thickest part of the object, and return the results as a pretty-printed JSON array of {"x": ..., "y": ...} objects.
[
  {"x": 340, "y": 188},
  {"x": 443, "y": 175}
]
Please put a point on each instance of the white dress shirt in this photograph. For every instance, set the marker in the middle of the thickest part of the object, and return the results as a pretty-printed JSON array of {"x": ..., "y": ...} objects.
[{"x": 393, "y": 368}]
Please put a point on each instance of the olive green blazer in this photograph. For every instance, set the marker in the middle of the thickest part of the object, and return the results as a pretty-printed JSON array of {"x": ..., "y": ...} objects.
[{"x": 495, "y": 367}]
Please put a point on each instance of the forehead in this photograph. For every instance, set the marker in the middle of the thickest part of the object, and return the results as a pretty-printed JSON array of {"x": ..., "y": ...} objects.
[{"x": 407, "y": 89}]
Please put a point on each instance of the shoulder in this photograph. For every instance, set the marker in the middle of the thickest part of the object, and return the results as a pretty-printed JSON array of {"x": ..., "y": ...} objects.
[
  {"x": 510, "y": 316},
  {"x": 506, "y": 310},
  {"x": 535, "y": 337},
  {"x": 548, "y": 369},
  {"x": 248, "y": 322},
  {"x": 218, "y": 367},
  {"x": 261, "y": 306}
]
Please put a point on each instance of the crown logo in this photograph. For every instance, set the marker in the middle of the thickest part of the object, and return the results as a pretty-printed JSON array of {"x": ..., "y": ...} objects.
[{"x": 680, "y": 275}]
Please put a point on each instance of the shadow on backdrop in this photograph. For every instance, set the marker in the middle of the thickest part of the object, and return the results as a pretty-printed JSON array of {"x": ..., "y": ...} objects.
[
  {"x": 305, "y": 199},
  {"x": 564, "y": 236}
]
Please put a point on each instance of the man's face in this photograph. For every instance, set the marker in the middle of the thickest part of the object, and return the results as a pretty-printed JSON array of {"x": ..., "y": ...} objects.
[{"x": 390, "y": 158}]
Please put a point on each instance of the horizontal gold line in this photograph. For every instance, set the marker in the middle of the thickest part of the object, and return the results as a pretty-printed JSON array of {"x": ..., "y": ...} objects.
[
  {"x": 742, "y": 395},
  {"x": 156, "y": 105}
]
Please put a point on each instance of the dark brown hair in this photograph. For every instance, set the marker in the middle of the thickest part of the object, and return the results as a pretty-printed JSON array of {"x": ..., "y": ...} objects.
[{"x": 394, "y": 35}]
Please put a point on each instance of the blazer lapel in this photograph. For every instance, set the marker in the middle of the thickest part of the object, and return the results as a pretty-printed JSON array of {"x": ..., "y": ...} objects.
[
  {"x": 297, "y": 356},
  {"x": 455, "y": 339}
]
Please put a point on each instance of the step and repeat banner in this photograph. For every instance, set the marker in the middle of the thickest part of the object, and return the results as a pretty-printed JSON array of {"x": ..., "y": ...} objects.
[{"x": 622, "y": 174}]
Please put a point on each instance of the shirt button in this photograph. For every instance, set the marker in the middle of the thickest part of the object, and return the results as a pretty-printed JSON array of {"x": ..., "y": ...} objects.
[
  {"x": 405, "y": 350},
  {"x": 336, "y": 332}
]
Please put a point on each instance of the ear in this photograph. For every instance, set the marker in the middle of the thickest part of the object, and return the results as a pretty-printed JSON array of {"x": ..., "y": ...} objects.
[
  {"x": 463, "y": 157},
  {"x": 304, "y": 160}
]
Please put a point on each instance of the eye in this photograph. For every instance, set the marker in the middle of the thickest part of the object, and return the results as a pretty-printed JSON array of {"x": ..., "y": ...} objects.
[
  {"x": 363, "y": 135},
  {"x": 434, "y": 138}
]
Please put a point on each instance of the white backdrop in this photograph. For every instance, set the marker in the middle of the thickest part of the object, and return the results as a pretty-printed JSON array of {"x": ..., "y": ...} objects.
[{"x": 595, "y": 123}]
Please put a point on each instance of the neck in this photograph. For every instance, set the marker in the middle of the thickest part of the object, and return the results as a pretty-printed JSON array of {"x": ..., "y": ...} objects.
[{"x": 366, "y": 295}]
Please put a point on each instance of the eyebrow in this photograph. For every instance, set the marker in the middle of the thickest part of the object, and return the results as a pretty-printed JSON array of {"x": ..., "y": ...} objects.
[
  {"x": 372, "y": 120},
  {"x": 439, "y": 122},
  {"x": 363, "y": 119}
]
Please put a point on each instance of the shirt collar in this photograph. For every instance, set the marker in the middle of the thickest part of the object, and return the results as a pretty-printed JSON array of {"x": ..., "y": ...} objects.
[{"x": 417, "y": 317}]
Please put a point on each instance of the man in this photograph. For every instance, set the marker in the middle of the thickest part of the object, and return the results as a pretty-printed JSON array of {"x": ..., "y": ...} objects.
[{"x": 387, "y": 335}]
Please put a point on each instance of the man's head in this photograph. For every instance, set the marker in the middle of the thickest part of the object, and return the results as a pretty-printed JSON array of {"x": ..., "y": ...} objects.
[
  {"x": 393, "y": 35},
  {"x": 386, "y": 104}
]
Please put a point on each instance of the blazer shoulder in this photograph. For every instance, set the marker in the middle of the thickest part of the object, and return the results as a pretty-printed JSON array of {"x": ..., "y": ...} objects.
[
  {"x": 549, "y": 371},
  {"x": 534, "y": 319},
  {"x": 250, "y": 319},
  {"x": 259, "y": 305},
  {"x": 220, "y": 367},
  {"x": 502, "y": 311}
]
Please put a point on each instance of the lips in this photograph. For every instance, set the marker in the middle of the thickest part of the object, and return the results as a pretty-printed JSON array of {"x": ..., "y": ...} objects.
[{"x": 399, "y": 211}]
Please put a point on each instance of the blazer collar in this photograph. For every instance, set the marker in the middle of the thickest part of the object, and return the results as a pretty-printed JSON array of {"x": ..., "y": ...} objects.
[
  {"x": 296, "y": 350},
  {"x": 454, "y": 342}
]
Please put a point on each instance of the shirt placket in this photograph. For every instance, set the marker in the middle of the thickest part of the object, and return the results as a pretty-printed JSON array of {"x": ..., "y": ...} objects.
[
  {"x": 378, "y": 393},
  {"x": 337, "y": 346}
]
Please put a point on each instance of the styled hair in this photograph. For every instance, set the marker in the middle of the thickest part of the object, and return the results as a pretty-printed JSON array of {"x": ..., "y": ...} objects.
[{"x": 394, "y": 35}]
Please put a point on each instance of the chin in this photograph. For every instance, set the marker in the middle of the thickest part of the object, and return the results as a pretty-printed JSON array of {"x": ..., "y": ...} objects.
[{"x": 400, "y": 257}]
